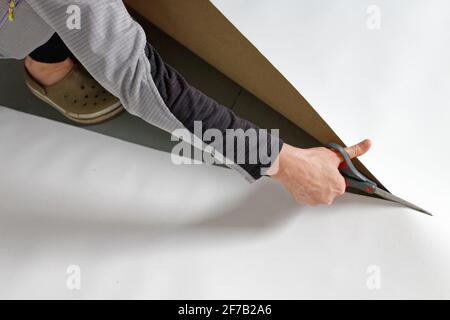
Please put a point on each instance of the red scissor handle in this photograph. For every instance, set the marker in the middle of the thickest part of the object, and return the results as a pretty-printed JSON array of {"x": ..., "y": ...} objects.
[{"x": 353, "y": 178}]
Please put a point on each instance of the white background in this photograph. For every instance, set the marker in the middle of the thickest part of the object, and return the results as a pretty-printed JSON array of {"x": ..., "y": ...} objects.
[
  {"x": 390, "y": 84},
  {"x": 140, "y": 227}
]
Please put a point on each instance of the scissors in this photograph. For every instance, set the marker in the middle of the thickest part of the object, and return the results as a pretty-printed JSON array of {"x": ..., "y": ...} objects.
[{"x": 356, "y": 180}]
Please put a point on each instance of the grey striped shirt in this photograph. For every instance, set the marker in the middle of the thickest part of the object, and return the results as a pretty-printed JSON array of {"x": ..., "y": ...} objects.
[{"x": 109, "y": 44}]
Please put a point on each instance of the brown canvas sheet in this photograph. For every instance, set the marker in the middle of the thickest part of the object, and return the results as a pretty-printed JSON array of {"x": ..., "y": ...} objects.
[{"x": 203, "y": 29}]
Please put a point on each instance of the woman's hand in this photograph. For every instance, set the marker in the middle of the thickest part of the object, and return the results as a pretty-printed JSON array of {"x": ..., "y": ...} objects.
[{"x": 312, "y": 175}]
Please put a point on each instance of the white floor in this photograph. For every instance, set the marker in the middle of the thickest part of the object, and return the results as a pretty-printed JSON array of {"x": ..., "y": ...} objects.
[{"x": 138, "y": 226}]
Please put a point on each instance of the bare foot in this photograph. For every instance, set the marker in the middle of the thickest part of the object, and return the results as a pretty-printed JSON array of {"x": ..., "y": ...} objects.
[{"x": 48, "y": 74}]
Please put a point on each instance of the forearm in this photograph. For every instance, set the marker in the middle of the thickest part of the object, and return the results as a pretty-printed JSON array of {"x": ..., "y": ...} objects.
[{"x": 190, "y": 105}]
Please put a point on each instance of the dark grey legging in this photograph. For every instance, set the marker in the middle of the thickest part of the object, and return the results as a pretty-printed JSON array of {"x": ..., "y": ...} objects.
[{"x": 53, "y": 51}]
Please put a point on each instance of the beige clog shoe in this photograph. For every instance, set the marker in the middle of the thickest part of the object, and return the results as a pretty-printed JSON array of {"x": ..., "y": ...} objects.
[{"x": 78, "y": 97}]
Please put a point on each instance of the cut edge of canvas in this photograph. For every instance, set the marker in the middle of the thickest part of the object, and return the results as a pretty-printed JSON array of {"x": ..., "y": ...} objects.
[{"x": 203, "y": 29}]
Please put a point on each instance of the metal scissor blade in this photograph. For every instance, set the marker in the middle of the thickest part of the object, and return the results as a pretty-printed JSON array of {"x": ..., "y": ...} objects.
[{"x": 388, "y": 196}]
